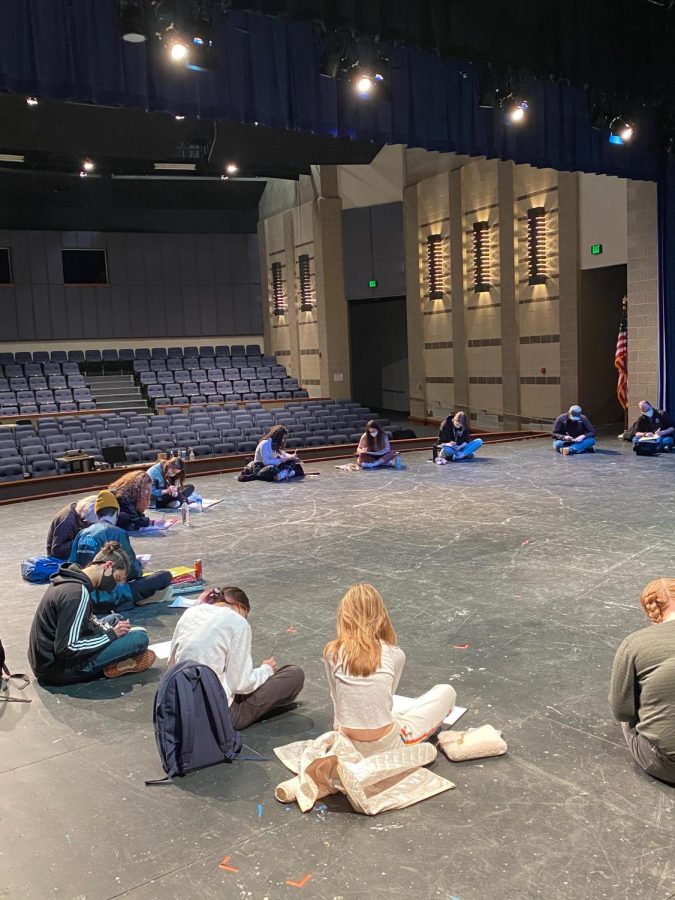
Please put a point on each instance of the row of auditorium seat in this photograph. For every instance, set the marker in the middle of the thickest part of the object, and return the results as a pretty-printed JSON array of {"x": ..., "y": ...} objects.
[
  {"x": 27, "y": 451},
  {"x": 113, "y": 360}
]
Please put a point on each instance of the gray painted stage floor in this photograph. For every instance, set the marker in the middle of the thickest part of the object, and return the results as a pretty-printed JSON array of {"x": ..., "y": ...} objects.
[{"x": 535, "y": 560}]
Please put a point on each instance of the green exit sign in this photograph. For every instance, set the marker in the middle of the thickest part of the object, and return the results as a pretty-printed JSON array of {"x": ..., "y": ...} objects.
[
  {"x": 372, "y": 283},
  {"x": 596, "y": 249}
]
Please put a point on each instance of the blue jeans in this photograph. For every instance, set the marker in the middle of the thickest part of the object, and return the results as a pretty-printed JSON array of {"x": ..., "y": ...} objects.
[
  {"x": 662, "y": 442},
  {"x": 468, "y": 450},
  {"x": 581, "y": 447},
  {"x": 131, "y": 644}
]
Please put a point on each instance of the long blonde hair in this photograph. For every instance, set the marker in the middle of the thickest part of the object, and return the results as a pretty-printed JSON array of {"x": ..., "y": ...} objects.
[
  {"x": 656, "y": 596},
  {"x": 362, "y": 622}
]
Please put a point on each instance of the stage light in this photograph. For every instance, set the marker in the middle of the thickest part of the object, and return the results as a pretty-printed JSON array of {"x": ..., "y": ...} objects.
[
  {"x": 365, "y": 85},
  {"x": 232, "y": 169},
  {"x": 32, "y": 101},
  {"x": 134, "y": 28},
  {"x": 622, "y": 129},
  {"x": 515, "y": 108},
  {"x": 88, "y": 165},
  {"x": 178, "y": 50},
  {"x": 178, "y": 117}
]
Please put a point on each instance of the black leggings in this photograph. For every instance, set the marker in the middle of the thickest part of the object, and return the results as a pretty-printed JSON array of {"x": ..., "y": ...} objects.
[{"x": 181, "y": 496}]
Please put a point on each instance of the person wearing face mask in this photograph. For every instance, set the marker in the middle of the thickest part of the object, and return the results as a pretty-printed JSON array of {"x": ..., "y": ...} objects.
[
  {"x": 454, "y": 440},
  {"x": 137, "y": 590},
  {"x": 654, "y": 423},
  {"x": 67, "y": 643},
  {"x": 374, "y": 450},
  {"x": 642, "y": 692},
  {"x": 573, "y": 433},
  {"x": 168, "y": 489}
]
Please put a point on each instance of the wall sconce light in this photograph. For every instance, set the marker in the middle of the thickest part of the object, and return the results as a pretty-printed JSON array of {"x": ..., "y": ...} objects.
[
  {"x": 305, "y": 282},
  {"x": 435, "y": 266},
  {"x": 482, "y": 260},
  {"x": 278, "y": 298},
  {"x": 536, "y": 245}
]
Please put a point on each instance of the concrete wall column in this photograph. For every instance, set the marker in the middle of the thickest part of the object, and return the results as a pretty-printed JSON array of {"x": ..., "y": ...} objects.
[
  {"x": 510, "y": 327},
  {"x": 457, "y": 282},
  {"x": 416, "y": 366},
  {"x": 568, "y": 219}
]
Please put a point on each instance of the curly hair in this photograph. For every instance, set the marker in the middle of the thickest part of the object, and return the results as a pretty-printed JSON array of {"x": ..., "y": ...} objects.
[
  {"x": 135, "y": 487},
  {"x": 657, "y": 596}
]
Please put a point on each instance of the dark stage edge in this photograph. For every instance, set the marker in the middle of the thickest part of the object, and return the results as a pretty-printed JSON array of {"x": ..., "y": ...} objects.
[{"x": 535, "y": 560}]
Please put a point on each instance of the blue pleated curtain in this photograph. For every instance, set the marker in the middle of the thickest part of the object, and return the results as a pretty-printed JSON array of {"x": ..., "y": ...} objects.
[{"x": 269, "y": 73}]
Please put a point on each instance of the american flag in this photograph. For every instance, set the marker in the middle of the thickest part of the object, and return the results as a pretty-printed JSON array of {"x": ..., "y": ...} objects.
[{"x": 621, "y": 359}]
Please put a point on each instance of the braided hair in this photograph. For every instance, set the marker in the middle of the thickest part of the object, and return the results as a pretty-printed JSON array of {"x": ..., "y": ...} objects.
[{"x": 657, "y": 596}]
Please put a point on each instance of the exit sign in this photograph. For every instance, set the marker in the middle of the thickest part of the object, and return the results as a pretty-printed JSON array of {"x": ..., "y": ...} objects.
[
  {"x": 372, "y": 283},
  {"x": 596, "y": 249}
]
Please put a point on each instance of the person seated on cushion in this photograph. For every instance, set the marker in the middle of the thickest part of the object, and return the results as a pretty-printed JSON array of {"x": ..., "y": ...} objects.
[
  {"x": 137, "y": 590},
  {"x": 364, "y": 665},
  {"x": 66, "y": 525},
  {"x": 454, "y": 439},
  {"x": 374, "y": 450},
  {"x": 573, "y": 433},
  {"x": 169, "y": 490},
  {"x": 654, "y": 423},
  {"x": 215, "y": 632},
  {"x": 133, "y": 495},
  {"x": 67, "y": 643},
  {"x": 642, "y": 692}
]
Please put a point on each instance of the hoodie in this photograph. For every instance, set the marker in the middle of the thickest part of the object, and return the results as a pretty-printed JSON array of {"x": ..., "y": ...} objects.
[{"x": 65, "y": 634}]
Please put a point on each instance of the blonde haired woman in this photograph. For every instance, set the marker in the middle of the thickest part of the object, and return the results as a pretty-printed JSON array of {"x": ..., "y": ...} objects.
[
  {"x": 364, "y": 666},
  {"x": 454, "y": 440},
  {"x": 642, "y": 694}
]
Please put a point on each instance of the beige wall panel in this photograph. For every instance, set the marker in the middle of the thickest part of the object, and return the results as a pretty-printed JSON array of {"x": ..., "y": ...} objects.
[
  {"x": 535, "y": 357},
  {"x": 538, "y": 400}
]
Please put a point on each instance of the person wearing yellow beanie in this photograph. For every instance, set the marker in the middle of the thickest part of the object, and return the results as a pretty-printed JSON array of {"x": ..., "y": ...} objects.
[{"x": 138, "y": 590}]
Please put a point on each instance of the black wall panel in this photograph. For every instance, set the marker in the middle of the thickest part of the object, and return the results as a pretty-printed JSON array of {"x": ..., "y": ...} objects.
[{"x": 161, "y": 285}]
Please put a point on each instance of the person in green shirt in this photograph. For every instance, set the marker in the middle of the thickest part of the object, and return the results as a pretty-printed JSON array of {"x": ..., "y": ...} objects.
[{"x": 642, "y": 692}]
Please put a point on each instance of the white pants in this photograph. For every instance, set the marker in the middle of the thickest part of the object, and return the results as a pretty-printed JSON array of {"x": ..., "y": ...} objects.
[{"x": 414, "y": 719}]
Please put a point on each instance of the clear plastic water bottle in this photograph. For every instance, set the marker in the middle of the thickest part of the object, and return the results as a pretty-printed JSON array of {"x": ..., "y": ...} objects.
[{"x": 185, "y": 513}]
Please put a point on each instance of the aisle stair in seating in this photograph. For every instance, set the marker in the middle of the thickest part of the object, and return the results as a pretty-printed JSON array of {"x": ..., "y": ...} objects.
[{"x": 117, "y": 392}]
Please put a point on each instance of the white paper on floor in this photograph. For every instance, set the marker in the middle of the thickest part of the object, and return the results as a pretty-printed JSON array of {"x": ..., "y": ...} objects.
[
  {"x": 162, "y": 650},
  {"x": 183, "y": 602}
]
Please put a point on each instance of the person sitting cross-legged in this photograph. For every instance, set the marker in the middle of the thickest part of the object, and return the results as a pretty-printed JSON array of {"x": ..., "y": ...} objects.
[
  {"x": 654, "y": 423},
  {"x": 215, "y": 632},
  {"x": 642, "y": 693},
  {"x": 454, "y": 440},
  {"x": 573, "y": 433},
  {"x": 67, "y": 643},
  {"x": 138, "y": 589},
  {"x": 374, "y": 449}
]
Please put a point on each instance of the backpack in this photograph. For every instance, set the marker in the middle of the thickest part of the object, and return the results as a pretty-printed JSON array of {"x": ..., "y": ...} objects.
[
  {"x": 192, "y": 721},
  {"x": 647, "y": 448},
  {"x": 39, "y": 569}
]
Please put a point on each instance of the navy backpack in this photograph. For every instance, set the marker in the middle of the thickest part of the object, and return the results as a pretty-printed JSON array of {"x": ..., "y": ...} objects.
[{"x": 192, "y": 721}]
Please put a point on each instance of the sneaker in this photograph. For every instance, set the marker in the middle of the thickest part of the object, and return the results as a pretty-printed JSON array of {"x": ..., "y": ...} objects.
[
  {"x": 441, "y": 461},
  {"x": 591, "y": 450},
  {"x": 131, "y": 666},
  {"x": 157, "y": 597},
  {"x": 565, "y": 451},
  {"x": 175, "y": 504}
]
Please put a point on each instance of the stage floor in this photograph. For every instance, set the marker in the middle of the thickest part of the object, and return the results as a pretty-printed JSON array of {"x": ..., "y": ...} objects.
[{"x": 534, "y": 560}]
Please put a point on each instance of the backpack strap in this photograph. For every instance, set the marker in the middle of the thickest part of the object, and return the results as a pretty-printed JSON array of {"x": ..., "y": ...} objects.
[{"x": 185, "y": 699}]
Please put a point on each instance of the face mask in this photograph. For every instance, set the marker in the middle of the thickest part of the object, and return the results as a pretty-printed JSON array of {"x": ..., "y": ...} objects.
[
  {"x": 649, "y": 413},
  {"x": 111, "y": 520},
  {"x": 373, "y": 433},
  {"x": 107, "y": 583}
]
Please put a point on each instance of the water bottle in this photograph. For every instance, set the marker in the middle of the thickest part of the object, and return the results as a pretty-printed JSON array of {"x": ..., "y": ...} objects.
[
  {"x": 191, "y": 454},
  {"x": 185, "y": 513}
]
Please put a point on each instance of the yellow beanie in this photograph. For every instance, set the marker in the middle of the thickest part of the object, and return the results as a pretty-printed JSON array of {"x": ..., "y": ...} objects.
[{"x": 105, "y": 500}]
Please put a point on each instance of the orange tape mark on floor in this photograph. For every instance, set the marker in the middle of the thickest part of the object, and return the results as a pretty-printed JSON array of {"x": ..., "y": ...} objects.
[
  {"x": 301, "y": 883},
  {"x": 224, "y": 865}
]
